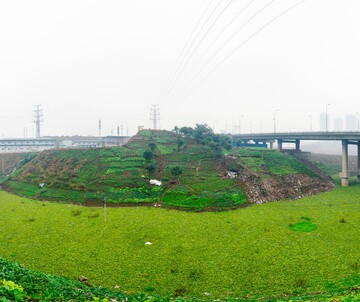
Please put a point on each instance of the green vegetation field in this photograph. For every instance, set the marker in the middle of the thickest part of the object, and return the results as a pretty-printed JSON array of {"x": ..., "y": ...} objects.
[{"x": 262, "y": 250}]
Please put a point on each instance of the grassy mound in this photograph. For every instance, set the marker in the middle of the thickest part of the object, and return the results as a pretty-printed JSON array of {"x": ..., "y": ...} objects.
[{"x": 121, "y": 175}]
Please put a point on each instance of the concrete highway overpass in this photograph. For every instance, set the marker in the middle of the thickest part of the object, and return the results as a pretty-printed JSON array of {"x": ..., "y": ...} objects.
[{"x": 346, "y": 139}]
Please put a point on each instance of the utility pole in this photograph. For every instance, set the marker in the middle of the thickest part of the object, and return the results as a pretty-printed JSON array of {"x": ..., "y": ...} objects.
[
  {"x": 38, "y": 119},
  {"x": 154, "y": 116},
  {"x": 276, "y": 110},
  {"x": 99, "y": 127},
  {"x": 239, "y": 126}
]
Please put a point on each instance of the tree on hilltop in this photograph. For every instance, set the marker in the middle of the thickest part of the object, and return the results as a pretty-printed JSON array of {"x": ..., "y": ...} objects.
[{"x": 204, "y": 135}]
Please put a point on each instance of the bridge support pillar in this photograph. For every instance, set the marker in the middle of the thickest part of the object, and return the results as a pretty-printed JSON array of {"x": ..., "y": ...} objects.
[
  {"x": 345, "y": 164},
  {"x": 297, "y": 145},
  {"x": 279, "y": 144},
  {"x": 358, "y": 161}
]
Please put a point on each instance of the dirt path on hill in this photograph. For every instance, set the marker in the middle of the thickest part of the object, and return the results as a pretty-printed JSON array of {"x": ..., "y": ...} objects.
[
  {"x": 198, "y": 168},
  {"x": 160, "y": 163}
]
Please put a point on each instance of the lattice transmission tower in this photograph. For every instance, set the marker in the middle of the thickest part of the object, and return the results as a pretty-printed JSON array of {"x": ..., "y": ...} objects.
[
  {"x": 38, "y": 119},
  {"x": 155, "y": 116}
]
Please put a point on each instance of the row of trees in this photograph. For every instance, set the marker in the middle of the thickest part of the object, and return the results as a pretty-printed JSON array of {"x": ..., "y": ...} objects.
[{"x": 204, "y": 135}]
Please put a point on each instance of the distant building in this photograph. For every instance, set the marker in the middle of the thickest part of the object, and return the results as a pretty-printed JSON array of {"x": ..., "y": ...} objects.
[
  {"x": 112, "y": 141},
  {"x": 18, "y": 145},
  {"x": 21, "y": 145},
  {"x": 351, "y": 122},
  {"x": 338, "y": 124},
  {"x": 324, "y": 122}
]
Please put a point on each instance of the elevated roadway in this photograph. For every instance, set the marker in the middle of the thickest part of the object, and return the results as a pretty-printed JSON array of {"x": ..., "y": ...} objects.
[{"x": 346, "y": 139}]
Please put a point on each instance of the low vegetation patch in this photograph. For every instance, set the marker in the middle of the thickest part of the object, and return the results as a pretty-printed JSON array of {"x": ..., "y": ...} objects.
[
  {"x": 303, "y": 226},
  {"x": 30, "y": 285}
]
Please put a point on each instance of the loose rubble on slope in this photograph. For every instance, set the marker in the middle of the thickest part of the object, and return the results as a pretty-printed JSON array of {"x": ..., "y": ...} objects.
[{"x": 264, "y": 187}]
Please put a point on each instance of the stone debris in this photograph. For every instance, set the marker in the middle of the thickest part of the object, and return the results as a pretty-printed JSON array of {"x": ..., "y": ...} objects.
[{"x": 260, "y": 189}]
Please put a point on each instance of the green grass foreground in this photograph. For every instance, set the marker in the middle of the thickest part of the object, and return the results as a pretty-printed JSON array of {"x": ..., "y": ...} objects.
[{"x": 247, "y": 252}]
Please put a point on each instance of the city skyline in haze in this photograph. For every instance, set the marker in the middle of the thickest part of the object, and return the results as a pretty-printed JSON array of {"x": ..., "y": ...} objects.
[{"x": 85, "y": 60}]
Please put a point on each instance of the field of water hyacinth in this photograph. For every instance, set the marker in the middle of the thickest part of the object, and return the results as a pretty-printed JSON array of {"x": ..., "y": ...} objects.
[{"x": 288, "y": 247}]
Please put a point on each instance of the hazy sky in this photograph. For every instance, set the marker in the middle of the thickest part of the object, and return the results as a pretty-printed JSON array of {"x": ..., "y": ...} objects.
[{"x": 85, "y": 60}]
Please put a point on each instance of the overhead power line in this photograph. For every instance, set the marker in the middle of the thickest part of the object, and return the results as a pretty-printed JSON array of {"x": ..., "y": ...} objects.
[
  {"x": 191, "y": 45},
  {"x": 242, "y": 45},
  {"x": 258, "y": 12},
  {"x": 218, "y": 37},
  {"x": 182, "y": 53},
  {"x": 198, "y": 44}
]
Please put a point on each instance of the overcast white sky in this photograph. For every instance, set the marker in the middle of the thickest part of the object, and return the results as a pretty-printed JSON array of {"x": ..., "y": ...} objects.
[{"x": 85, "y": 60}]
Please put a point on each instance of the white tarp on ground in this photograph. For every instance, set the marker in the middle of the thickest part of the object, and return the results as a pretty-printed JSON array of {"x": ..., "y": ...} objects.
[{"x": 155, "y": 182}]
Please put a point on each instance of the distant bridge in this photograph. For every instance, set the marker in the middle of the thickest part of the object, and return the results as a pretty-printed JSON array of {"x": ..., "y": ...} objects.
[{"x": 346, "y": 138}]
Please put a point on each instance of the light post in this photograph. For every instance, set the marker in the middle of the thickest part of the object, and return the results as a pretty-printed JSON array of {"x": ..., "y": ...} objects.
[
  {"x": 275, "y": 119},
  {"x": 310, "y": 119},
  {"x": 214, "y": 125},
  {"x": 239, "y": 129},
  {"x": 105, "y": 209},
  {"x": 326, "y": 117}
]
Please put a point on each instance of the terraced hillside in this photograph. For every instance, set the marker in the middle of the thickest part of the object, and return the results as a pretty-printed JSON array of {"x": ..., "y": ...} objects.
[
  {"x": 9, "y": 162},
  {"x": 121, "y": 175}
]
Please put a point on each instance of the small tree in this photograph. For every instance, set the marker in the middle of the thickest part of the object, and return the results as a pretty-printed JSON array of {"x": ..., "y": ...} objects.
[
  {"x": 180, "y": 143},
  {"x": 152, "y": 147},
  {"x": 148, "y": 155},
  {"x": 176, "y": 171},
  {"x": 151, "y": 168}
]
